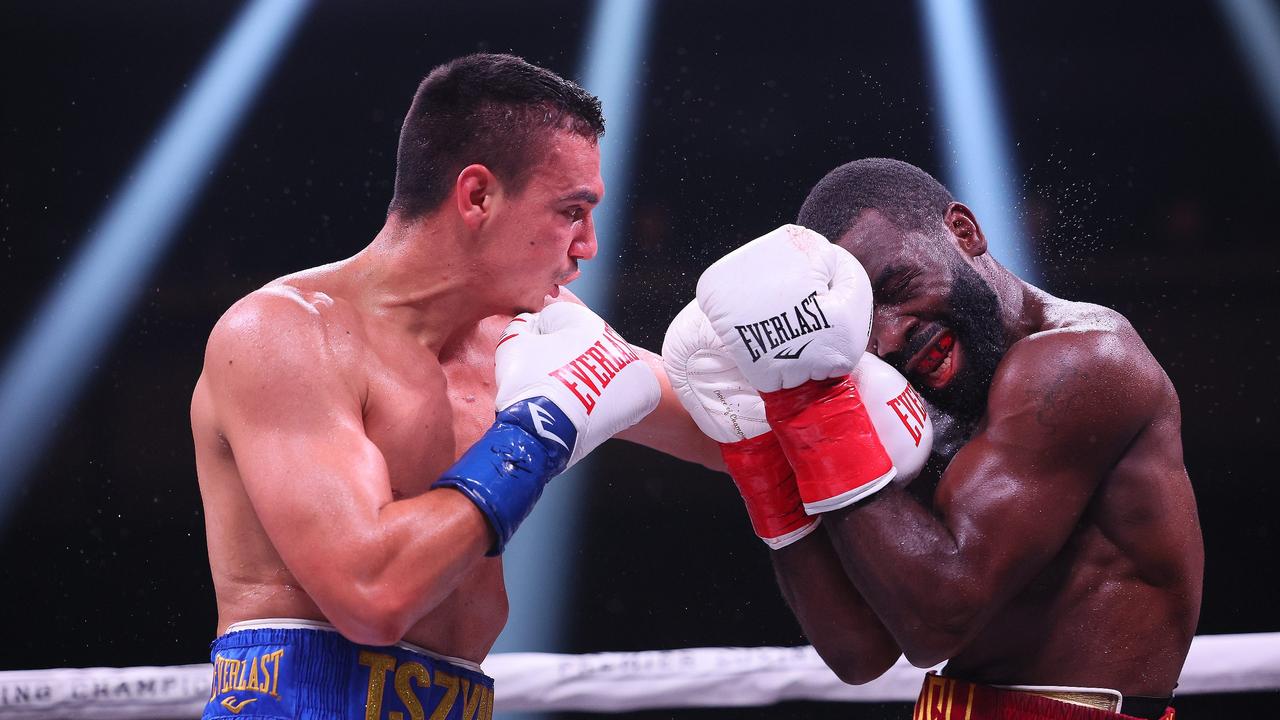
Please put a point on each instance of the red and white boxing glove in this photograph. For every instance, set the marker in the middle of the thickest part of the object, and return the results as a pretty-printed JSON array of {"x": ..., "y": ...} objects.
[
  {"x": 726, "y": 408},
  {"x": 794, "y": 312},
  {"x": 899, "y": 414},
  {"x": 566, "y": 383},
  {"x": 569, "y": 355}
]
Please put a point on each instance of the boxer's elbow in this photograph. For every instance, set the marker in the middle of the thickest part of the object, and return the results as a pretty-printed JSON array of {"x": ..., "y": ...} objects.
[
  {"x": 940, "y": 630},
  {"x": 356, "y": 594},
  {"x": 372, "y": 614},
  {"x": 854, "y": 668},
  {"x": 926, "y": 655},
  {"x": 936, "y": 640},
  {"x": 369, "y": 631},
  {"x": 857, "y": 657}
]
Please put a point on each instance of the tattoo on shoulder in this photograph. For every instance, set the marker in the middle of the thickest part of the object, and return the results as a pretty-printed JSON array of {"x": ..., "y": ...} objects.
[{"x": 1061, "y": 398}]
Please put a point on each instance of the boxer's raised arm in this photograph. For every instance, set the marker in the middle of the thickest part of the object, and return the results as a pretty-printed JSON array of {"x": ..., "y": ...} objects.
[
  {"x": 1062, "y": 409},
  {"x": 717, "y": 397},
  {"x": 289, "y": 405},
  {"x": 835, "y": 618},
  {"x": 669, "y": 428}
]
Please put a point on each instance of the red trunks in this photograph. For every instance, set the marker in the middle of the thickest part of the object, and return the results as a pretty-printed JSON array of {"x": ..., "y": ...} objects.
[{"x": 944, "y": 698}]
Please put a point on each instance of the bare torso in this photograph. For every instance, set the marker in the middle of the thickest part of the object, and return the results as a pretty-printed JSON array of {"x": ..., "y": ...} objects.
[
  {"x": 1118, "y": 605},
  {"x": 420, "y": 411}
]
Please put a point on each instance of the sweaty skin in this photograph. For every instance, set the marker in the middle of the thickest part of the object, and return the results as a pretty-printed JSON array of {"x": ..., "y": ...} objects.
[
  {"x": 1061, "y": 545},
  {"x": 332, "y": 398}
]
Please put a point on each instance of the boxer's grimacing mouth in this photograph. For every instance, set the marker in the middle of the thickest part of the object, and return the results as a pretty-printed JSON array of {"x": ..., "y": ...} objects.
[{"x": 935, "y": 363}]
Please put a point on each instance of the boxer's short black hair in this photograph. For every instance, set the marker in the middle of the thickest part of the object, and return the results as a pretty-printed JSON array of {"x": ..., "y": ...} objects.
[
  {"x": 907, "y": 196},
  {"x": 487, "y": 109}
]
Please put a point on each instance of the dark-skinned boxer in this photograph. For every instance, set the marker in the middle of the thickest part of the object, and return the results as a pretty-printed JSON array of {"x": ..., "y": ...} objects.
[{"x": 1056, "y": 563}]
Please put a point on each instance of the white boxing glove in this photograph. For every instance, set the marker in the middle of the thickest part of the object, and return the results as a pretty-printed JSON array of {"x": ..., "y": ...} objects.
[
  {"x": 566, "y": 383},
  {"x": 790, "y": 307},
  {"x": 728, "y": 410},
  {"x": 899, "y": 414},
  {"x": 794, "y": 312},
  {"x": 709, "y": 384},
  {"x": 569, "y": 355}
]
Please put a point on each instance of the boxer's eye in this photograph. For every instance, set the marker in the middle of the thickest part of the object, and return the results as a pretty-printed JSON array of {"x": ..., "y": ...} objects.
[
  {"x": 896, "y": 288},
  {"x": 575, "y": 214}
]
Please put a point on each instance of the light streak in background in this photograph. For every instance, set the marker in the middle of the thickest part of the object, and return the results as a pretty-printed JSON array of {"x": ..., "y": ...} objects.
[
  {"x": 1256, "y": 27},
  {"x": 981, "y": 171},
  {"x": 539, "y": 561},
  {"x": 52, "y": 361}
]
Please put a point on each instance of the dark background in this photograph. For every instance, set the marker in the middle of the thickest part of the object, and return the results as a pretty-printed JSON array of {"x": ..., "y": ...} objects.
[{"x": 1148, "y": 178}]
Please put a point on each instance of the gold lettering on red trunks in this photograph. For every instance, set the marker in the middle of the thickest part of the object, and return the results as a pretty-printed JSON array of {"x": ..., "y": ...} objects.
[
  {"x": 258, "y": 673},
  {"x": 938, "y": 701},
  {"x": 909, "y": 408},
  {"x": 933, "y": 698},
  {"x": 379, "y": 665},
  {"x": 587, "y": 375},
  {"x": 410, "y": 671}
]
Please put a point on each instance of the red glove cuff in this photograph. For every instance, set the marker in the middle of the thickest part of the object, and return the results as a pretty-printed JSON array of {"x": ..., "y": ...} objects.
[
  {"x": 768, "y": 487},
  {"x": 829, "y": 439}
]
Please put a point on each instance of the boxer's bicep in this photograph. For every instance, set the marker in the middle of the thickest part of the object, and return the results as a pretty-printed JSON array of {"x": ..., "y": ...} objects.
[
  {"x": 295, "y": 429},
  {"x": 669, "y": 428},
  {"x": 1060, "y": 415}
]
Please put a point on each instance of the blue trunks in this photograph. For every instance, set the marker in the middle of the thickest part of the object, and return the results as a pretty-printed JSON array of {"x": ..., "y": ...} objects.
[{"x": 302, "y": 669}]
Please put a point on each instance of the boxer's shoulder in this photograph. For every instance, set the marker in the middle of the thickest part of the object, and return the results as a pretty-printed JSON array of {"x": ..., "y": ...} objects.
[
  {"x": 283, "y": 331},
  {"x": 1087, "y": 366}
]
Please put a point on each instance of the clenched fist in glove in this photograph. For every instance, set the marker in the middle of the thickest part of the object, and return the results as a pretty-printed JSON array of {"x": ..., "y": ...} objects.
[
  {"x": 566, "y": 383},
  {"x": 725, "y": 407},
  {"x": 794, "y": 312}
]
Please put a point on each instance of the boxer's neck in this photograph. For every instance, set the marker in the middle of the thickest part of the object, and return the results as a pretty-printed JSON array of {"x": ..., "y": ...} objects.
[
  {"x": 1022, "y": 305},
  {"x": 419, "y": 276}
]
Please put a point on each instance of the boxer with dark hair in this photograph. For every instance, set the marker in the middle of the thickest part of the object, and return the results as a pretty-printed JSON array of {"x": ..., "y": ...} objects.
[
  {"x": 363, "y": 463},
  {"x": 1056, "y": 562}
]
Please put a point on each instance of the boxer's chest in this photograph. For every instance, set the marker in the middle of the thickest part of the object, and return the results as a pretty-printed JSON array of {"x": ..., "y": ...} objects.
[{"x": 423, "y": 418}]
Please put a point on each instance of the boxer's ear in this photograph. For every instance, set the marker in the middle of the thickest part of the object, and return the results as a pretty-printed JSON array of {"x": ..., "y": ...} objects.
[
  {"x": 474, "y": 193},
  {"x": 963, "y": 226}
]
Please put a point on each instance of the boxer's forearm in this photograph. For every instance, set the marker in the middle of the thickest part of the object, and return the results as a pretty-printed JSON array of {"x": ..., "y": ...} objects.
[
  {"x": 836, "y": 619},
  {"x": 381, "y": 580},
  {"x": 912, "y": 571},
  {"x": 669, "y": 428}
]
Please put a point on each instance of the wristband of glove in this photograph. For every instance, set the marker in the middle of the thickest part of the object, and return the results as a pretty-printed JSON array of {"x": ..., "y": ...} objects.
[
  {"x": 768, "y": 488},
  {"x": 504, "y": 472},
  {"x": 830, "y": 441}
]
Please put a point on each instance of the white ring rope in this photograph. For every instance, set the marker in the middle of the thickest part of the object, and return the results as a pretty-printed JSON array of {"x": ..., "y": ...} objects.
[{"x": 601, "y": 682}]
